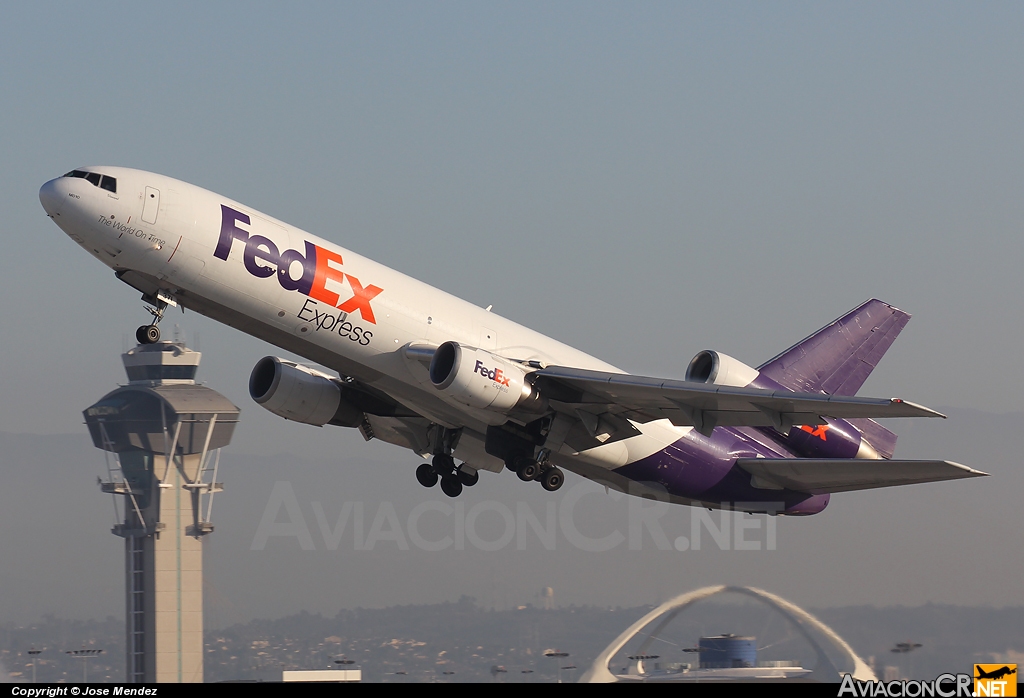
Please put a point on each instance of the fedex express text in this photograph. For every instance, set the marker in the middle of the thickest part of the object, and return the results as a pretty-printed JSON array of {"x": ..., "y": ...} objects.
[{"x": 306, "y": 272}]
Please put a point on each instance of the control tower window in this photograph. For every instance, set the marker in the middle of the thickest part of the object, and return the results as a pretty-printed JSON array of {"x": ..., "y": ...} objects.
[
  {"x": 108, "y": 183},
  {"x": 161, "y": 372}
]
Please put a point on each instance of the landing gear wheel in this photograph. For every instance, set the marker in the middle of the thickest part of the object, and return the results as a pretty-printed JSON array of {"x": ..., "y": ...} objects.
[
  {"x": 148, "y": 334},
  {"x": 551, "y": 479},
  {"x": 426, "y": 475},
  {"x": 527, "y": 470},
  {"x": 467, "y": 478},
  {"x": 443, "y": 464},
  {"x": 451, "y": 486}
]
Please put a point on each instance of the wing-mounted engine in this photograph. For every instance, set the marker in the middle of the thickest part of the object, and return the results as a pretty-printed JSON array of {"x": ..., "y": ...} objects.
[
  {"x": 301, "y": 394},
  {"x": 479, "y": 379},
  {"x": 832, "y": 438}
]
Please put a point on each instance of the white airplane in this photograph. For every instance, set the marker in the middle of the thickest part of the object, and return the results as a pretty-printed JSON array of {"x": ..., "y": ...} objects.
[{"x": 473, "y": 391}]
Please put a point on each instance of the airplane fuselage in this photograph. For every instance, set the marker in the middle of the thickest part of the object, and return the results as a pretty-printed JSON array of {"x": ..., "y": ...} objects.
[{"x": 366, "y": 321}]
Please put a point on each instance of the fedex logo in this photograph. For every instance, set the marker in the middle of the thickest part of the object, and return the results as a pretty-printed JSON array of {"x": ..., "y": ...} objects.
[
  {"x": 262, "y": 259},
  {"x": 818, "y": 430},
  {"x": 495, "y": 374}
]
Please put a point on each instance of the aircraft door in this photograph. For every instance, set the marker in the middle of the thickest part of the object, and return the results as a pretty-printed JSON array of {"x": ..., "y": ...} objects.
[{"x": 150, "y": 205}]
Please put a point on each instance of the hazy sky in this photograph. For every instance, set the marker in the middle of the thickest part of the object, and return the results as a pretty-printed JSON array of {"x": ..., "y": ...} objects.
[{"x": 642, "y": 181}]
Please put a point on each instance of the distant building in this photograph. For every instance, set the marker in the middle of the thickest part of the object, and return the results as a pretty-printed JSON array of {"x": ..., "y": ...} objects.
[
  {"x": 728, "y": 657},
  {"x": 323, "y": 676}
]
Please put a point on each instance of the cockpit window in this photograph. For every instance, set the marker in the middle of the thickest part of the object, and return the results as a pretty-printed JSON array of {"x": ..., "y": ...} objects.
[{"x": 97, "y": 180}]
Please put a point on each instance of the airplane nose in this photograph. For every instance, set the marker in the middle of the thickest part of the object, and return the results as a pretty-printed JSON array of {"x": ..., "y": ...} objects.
[{"x": 50, "y": 198}]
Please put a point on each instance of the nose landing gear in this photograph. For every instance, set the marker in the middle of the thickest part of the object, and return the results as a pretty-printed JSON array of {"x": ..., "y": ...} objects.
[
  {"x": 156, "y": 305},
  {"x": 147, "y": 334}
]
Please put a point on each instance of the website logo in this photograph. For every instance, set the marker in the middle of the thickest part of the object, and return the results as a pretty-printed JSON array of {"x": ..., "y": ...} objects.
[
  {"x": 995, "y": 679},
  {"x": 945, "y": 686}
]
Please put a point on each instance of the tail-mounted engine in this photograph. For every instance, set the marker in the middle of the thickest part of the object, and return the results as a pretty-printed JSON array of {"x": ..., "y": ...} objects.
[
  {"x": 480, "y": 379},
  {"x": 720, "y": 369},
  {"x": 833, "y": 438}
]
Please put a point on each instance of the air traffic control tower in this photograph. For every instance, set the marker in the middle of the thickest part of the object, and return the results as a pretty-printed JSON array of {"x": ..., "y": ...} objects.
[{"x": 159, "y": 432}]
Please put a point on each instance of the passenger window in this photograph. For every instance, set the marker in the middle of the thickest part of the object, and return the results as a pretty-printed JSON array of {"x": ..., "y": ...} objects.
[
  {"x": 94, "y": 178},
  {"x": 108, "y": 183}
]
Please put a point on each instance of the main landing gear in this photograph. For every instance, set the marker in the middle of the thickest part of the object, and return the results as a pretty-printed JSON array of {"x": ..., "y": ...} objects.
[
  {"x": 442, "y": 466},
  {"x": 527, "y": 469},
  {"x": 156, "y": 305},
  {"x": 453, "y": 479}
]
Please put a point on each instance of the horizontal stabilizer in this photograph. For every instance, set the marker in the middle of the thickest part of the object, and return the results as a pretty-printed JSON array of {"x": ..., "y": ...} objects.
[{"x": 822, "y": 475}]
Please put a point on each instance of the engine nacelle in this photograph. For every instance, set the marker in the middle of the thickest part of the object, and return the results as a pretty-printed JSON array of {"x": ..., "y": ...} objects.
[
  {"x": 300, "y": 393},
  {"x": 479, "y": 379},
  {"x": 833, "y": 438},
  {"x": 720, "y": 369}
]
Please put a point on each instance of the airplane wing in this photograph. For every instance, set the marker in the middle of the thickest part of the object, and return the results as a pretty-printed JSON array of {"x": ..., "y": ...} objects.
[
  {"x": 703, "y": 406},
  {"x": 821, "y": 475}
]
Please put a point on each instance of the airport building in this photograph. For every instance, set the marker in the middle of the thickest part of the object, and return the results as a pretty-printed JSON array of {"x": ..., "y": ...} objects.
[
  {"x": 162, "y": 433},
  {"x": 726, "y": 658}
]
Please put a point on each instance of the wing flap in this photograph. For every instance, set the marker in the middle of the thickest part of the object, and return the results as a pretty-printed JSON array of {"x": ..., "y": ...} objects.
[
  {"x": 820, "y": 475},
  {"x": 706, "y": 406}
]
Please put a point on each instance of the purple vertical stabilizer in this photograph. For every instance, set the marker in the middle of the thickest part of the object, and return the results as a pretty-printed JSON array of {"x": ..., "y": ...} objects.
[{"x": 838, "y": 358}]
